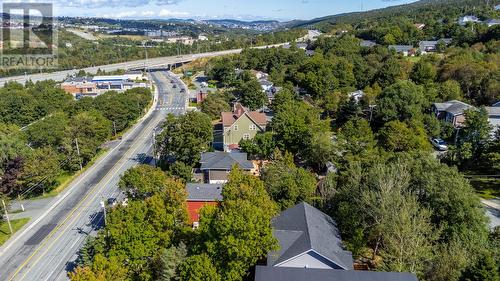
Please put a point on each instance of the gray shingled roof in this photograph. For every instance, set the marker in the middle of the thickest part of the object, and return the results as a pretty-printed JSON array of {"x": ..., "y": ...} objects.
[
  {"x": 454, "y": 107},
  {"x": 204, "y": 192},
  {"x": 224, "y": 161},
  {"x": 303, "y": 228},
  {"x": 269, "y": 273},
  {"x": 401, "y": 48}
]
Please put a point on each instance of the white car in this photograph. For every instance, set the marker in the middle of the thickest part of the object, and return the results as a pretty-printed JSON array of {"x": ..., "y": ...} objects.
[{"x": 439, "y": 144}]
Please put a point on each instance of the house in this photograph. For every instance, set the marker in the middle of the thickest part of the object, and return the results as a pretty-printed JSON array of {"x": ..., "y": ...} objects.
[
  {"x": 268, "y": 273},
  {"x": 266, "y": 85},
  {"x": 432, "y": 46},
  {"x": 451, "y": 111},
  {"x": 497, "y": 7},
  {"x": 241, "y": 124},
  {"x": 402, "y": 49},
  {"x": 492, "y": 22},
  {"x": 216, "y": 166},
  {"x": 302, "y": 46},
  {"x": 80, "y": 87},
  {"x": 367, "y": 43},
  {"x": 469, "y": 18},
  {"x": 311, "y": 249},
  {"x": 308, "y": 238},
  {"x": 494, "y": 117},
  {"x": 200, "y": 195}
]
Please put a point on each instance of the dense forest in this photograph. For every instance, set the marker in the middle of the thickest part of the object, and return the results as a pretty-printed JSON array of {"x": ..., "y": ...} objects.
[{"x": 400, "y": 205}]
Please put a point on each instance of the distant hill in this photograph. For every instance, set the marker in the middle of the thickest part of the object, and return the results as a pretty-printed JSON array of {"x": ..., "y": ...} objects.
[{"x": 412, "y": 9}]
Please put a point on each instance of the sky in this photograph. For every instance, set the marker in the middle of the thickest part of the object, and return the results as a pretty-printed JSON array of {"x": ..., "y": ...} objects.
[{"x": 214, "y": 9}]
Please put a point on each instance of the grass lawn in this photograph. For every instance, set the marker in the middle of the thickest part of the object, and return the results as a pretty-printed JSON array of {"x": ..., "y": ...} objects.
[
  {"x": 4, "y": 228},
  {"x": 487, "y": 188}
]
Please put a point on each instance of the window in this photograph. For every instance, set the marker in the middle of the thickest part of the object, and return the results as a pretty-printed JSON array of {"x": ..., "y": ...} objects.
[
  {"x": 246, "y": 136},
  {"x": 236, "y": 127},
  {"x": 253, "y": 127}
]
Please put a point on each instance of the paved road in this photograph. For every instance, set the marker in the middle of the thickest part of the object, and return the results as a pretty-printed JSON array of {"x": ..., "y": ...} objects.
[
  {"x": 47, "y": 247},
  {"x": 151, "y": 63},
  {"x": 492, "y": 208}
]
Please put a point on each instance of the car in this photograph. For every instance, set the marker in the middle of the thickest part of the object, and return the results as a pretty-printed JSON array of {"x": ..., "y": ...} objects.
[
  {"x": 172, "y": 81},
  {"x": 439, "y": 144},
  {"x": 183, "y": 91},
  {"x": 174, "y": 86},
  {"x": 112, "y": 202}
]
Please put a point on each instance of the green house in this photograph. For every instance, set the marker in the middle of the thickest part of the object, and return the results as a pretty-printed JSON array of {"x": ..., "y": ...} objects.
[{"x": 241, "y": 124}]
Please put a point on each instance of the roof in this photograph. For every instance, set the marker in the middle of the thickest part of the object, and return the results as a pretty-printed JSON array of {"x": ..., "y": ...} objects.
[
  {"x": 269, "y": 273},
  {"x": 401, "y": 48},
  {"x": 79, "y": 79},
  {"x": 492, "y": 21},
  {"x": 109, "y": 78},
  {"x": 367, "y": 43},
  {"x": 496, "y": 104},
  {"x": 224, "y": 161},
  {"x": 454, "y": 107},
  {"x": 303, "y": 228},
  {"x": 228, "y": 118},
  {"x": 204, "y": 192}
]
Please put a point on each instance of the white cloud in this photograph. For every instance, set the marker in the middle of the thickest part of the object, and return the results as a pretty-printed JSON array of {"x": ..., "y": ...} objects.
[
  {"x": 169, "y": 13},
  {"x": 120, "y": 15},
  {"x": 147, "y": 13}
]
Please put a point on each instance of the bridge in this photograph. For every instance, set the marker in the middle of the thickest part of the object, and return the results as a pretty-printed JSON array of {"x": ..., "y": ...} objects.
[{"x": 152, "y": 63}]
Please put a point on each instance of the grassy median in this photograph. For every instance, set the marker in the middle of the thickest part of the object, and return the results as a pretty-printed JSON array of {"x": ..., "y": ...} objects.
[{"x": 4, "y": 228}]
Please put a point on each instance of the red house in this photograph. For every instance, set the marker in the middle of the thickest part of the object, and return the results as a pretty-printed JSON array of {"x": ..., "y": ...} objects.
[{"x": 200, "y": 195}]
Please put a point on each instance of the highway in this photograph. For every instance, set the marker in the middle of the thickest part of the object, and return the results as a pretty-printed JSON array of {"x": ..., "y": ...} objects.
[
  {"x": 151, "y": 63},
  {"x": 46, "y": 248}
]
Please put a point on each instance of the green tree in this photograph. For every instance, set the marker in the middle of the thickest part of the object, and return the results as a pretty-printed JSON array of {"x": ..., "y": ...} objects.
[
  {"x": 476, "y": 130},
  {"x": 286, "y": 183},
  {"x": 484, "y": 269},
  {"x": 143, "y": 181},
  {"x": 184, "y": 138},
  {"x": 49, "y": 131},
  {"x": 401, "y": 101},
  {"x": 251, "y": 94},
  {"x": 423, "y": 73},
  {"x": 198, "y": 268},
  {"x": 182, "y": 171},
  {"x": 169, "y": 261},
  {"x": 261, "y": 146},
  {"x": 238, "y": 233},
  {"x": 398, "y": 136},
  {"x": 450, "y": 90},
  {"x": 214, "y": 104},
  {"x": 40, "y": 171}
]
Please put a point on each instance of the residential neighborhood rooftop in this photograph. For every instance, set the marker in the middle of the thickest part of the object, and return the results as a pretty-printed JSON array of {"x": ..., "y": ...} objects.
[
  {"x": 271, "y": 273},
  {"x": 204, "y": 192},
  {"x": 303, "y": 228},
  {"x": 454, "y": 107},
  {"x": 228, "y": 118},
  {"x": 224, "y": 161}
]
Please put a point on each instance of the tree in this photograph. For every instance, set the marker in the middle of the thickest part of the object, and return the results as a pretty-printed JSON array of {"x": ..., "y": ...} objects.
[
  {"x": 90, "y": 129},
  {"x": 49, "y": 131},
  {"x": 484, "y": 269},
  {"x": 41, "y": 169},
  {"x": 214, "y": 104},
  {"x": 261, "y": 146},
  {"x": 476, "y": 130},
  {"x": 286, "y": 183},
  {"x": 450, "y": 90},
  {"x": 402, "y": 101},
  {"x": 251, "y": 94},
  {"x": 389, "y": 72},
  {"x": 12, "y": 143},
  {"x": 143, "y": 181},
  {"x": 9, "y": 184},
  {"x": 295, "y": 124},
  {"x": 398, "y": 136},
  {"x": 198, "y": 268},
  {"x": 423, "y": 73},
  {"x": 238, "y": 233},
  {"x": 356, "y": 137},
  {"x": 102, "y": 269},
  {"x": 184, "y": 138},
  {"x": 181, "y": 171},
  {"x": 169, "y": 261}
]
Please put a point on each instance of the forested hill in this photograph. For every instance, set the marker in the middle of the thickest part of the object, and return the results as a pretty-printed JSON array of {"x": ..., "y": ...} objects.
[{"x": 419, "y": 11}]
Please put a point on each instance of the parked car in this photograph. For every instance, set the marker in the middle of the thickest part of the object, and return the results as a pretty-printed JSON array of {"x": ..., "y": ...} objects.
[
  {"x": 112, "y": 202},
  {"x": 183, "y": 91},
  {"x": 174, "y": 86},
  {"x": 439, "y": 144}
]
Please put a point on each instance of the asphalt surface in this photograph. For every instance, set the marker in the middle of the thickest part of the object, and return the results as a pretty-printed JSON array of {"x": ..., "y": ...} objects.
[
  {"x": 46, "y": 248},
  {"x": 151, "y": 63}
]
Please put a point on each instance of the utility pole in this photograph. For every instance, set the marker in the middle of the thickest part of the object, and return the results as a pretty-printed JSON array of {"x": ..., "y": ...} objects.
[
  {"x": 104, "y": 211},
  {"x": 78, "y": 152},
  {"x": 114, "y": 128},
  {"x": 7, "y": 217},
  {"x": 154, "y": 147}
]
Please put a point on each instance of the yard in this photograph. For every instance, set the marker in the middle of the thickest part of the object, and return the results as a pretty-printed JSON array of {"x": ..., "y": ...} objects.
[{"x": 487, "y": 188}]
